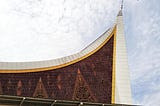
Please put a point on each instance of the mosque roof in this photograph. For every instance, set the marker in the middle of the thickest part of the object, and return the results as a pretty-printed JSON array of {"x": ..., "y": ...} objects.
[{"x": 36, "y": 66}]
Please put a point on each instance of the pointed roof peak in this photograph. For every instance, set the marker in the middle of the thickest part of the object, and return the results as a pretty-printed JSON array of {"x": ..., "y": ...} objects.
[
  {"x": 120, "y": 11},
  {"x": 122, "y": 5}
]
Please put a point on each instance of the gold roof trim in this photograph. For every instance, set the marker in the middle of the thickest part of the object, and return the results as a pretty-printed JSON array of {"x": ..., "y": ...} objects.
[{"x": 75, "y": 59}]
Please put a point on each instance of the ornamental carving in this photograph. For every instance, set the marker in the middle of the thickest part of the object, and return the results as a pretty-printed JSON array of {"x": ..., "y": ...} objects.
[
  {"x": 40, "y": 91},
  {"x": 82, "y": 91},
  {"x": 87, "y": 80}
]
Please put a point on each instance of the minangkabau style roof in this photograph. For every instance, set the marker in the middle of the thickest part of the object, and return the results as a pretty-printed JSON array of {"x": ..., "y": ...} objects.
[
  {"x": 36, "y": 66},
  {"x": 120, "y": 82}
]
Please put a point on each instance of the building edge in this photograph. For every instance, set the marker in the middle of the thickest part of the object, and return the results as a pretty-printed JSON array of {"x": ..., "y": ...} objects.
[{"x": 122, "y": 87}]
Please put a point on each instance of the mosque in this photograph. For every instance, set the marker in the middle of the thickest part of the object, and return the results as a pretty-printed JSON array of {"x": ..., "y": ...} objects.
[{"x": 96, "y": 76}]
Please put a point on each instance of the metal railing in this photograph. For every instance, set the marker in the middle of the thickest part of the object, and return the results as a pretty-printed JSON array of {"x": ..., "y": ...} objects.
[{"x": 28, "y": 101}]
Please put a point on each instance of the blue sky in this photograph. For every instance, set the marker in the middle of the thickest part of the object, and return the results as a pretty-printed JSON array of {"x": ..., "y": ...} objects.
[
  {"x": 142, "y": 20},
  {"x": 32, "y": 30}
]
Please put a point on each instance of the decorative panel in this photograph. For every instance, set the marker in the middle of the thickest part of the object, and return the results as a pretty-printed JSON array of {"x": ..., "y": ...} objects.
[{"x": 88, "y": 80}]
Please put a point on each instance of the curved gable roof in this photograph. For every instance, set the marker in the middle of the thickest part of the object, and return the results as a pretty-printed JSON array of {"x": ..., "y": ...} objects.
[{"x": 36, "y": 66}]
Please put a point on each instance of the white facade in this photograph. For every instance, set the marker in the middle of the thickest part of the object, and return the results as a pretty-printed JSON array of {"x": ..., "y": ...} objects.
[{"x": 122, "y": 79}]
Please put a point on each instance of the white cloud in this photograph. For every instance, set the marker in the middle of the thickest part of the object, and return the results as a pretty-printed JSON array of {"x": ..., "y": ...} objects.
[
  {"x": 152, "y": 99},
  {"x": 142, "y": 30},
  {"x": 47, "y": 29}
]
